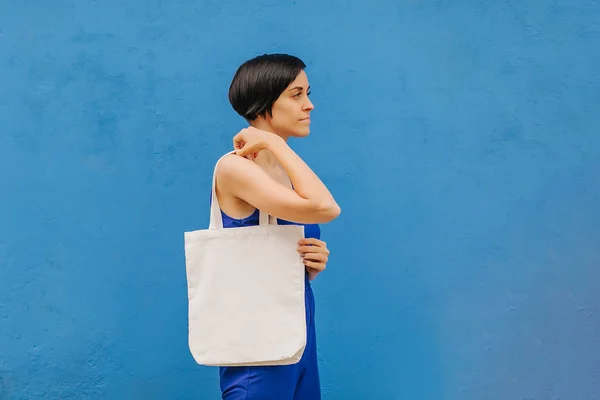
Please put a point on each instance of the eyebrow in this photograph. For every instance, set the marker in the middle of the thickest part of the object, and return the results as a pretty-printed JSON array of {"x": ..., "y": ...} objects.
[{"x": 299, "y": 88}]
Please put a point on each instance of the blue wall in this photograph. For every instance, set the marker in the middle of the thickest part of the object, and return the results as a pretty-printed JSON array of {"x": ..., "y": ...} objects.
[{"x": 461, "y": 139}]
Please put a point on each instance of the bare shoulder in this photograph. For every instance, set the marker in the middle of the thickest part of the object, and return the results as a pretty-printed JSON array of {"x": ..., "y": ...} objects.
[
  {"x": 232, "y": 165},
  {"x": 234, "y": 169}
]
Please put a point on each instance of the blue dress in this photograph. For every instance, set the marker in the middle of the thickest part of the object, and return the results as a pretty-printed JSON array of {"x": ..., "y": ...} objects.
[{"x": 282, "y": 382}]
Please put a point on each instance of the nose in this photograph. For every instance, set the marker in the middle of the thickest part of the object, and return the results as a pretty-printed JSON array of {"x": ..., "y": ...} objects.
[{"x": 308, "y": 106}]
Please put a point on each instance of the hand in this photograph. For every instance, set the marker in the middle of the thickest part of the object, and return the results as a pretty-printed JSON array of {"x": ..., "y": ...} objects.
[
  {"x": 251, "y": 140},
  {"x": 315, "y": 255}
]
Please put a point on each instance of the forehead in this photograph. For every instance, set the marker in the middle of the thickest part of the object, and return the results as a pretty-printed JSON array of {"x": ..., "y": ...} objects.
[{"x": 301, "y": 80}]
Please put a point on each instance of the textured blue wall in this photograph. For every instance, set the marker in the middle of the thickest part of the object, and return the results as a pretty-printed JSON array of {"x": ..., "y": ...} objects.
[{"x": 461, "y": 139}]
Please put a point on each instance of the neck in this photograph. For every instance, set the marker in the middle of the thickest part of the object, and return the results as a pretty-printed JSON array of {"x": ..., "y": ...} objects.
[
  {"x": 265, "y": 157},
  {"x": 264, "y": 125}
]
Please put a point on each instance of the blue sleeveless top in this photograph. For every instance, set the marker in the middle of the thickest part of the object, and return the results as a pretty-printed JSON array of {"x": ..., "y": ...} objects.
[{"x": 310, "y": 230}]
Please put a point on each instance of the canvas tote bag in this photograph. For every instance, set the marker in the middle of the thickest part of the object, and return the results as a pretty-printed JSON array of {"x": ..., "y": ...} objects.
[{"x": 245, "y": 292}]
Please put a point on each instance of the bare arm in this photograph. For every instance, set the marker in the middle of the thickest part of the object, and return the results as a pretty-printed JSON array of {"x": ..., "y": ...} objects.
[{"x": 309, "y": 202}]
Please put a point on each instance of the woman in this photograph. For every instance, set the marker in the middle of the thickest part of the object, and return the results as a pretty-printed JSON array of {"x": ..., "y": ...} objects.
[{"x": 271, "y": 93}]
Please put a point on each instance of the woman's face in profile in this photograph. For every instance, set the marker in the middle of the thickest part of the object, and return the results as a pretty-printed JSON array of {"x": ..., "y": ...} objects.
[{"x": 291, "y": 111}]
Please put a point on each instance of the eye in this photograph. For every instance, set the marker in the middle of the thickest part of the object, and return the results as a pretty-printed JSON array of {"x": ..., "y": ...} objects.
[{"x": 298, "y": 94}]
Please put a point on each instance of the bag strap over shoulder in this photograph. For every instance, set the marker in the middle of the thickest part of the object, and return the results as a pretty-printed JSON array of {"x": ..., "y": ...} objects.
[{"x": 216, "y": 219}]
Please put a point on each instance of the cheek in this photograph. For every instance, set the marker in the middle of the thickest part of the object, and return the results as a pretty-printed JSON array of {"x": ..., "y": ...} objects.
[{"x": 285, "y": 115}]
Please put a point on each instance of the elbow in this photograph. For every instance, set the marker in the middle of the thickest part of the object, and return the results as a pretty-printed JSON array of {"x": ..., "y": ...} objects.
[
  {"x": 329, "y": 211},
  {"x": 336, "y": 210}
]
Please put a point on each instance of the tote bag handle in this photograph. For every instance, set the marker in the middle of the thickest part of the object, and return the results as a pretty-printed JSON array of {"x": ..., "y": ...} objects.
[{"x": 216, "y": 220}]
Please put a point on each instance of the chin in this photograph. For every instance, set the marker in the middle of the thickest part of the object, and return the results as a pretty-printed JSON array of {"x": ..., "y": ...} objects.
[
  {"x": 295, "y": 132},
  {"x": 300, "y": 133}
]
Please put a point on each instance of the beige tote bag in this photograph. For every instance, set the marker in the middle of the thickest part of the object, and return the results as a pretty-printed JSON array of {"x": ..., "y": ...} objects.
[{"x": 245, "y": 292}]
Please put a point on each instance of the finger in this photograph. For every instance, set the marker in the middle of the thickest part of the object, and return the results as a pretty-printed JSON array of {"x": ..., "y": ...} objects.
[
  {"x": 238, "y": 144},
  {"x": 312, "y": 249},
  {"x": 238, "y": 136},
  {"x": 243, "y": 151},
  {"x": 316, "y": 265},
  {"x": 313, "y": 241},
  {"x": 320, "y": 257},
  {"x": 239, "y": 140}
]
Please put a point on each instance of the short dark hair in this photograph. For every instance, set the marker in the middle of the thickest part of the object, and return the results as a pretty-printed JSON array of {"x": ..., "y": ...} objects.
[{"x": 260, "y": 81}]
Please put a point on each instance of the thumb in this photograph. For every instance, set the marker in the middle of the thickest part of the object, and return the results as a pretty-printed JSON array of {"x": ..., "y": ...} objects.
[
  {"x": 242, "y": 151},
  {"x": 238, "y": 145}
]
